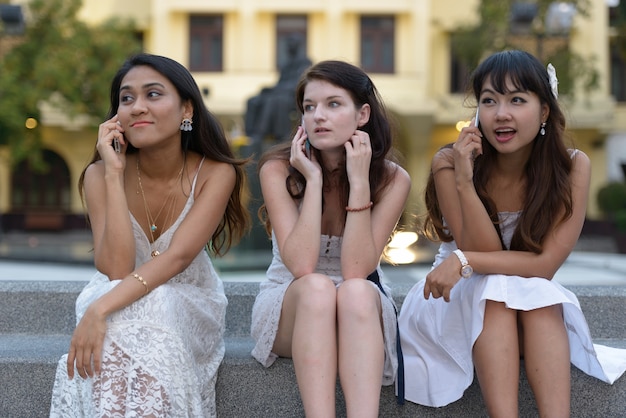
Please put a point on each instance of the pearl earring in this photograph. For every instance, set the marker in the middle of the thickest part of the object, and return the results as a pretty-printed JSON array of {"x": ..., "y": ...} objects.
[{"x": 542, "y": 131}]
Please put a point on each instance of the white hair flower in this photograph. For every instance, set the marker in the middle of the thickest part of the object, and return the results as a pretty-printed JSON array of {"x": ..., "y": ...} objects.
[{"x": 554, "y": 82}]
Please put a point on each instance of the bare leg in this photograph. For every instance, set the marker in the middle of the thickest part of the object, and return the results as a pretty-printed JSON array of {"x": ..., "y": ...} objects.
[
  {"x": 308, "y": 332},
  {"x": 361, "y": 347},
  {"x": 496, "y": 358},
  {"x": 547, "y": 359}
]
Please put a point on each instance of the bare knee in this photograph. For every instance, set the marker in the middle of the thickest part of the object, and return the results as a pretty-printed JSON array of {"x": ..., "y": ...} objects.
[
  {"x": 315, "y": 293},
  {"x": 358, "y": 298}
]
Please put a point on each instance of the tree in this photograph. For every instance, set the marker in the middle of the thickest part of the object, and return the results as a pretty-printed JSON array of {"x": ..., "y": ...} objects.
[
  {"x": 497, "y": 30},
  {"x": 61, "y": 61}
]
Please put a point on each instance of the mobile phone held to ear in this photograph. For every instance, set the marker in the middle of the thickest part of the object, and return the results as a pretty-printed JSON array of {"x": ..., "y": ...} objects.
[
  {"x": 307, "y": 143},
  {"x": 116, "y": 145}
]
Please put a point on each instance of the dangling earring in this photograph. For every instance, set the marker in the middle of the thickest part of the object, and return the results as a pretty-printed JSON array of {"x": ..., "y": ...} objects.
[
  {"x": 542, "y": 131},
  {"x": 186, "y": 125}
]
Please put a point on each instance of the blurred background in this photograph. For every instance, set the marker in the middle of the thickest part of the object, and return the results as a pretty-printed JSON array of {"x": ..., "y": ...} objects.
[{"x": 57, "y": 58}]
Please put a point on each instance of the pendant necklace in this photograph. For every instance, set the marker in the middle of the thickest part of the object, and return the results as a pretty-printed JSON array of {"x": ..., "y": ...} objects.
[{"x": 152, "y": 226}]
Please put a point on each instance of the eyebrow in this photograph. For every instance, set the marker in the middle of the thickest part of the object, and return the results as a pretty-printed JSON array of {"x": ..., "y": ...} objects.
[
  {"x": 327, "y": 98},
  {"x": 145, "y": 86},
  {"x": 506, "y": 92}
]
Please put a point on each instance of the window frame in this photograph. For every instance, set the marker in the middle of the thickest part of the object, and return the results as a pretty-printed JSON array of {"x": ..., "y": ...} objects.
[{"x": 380, "y": 30}]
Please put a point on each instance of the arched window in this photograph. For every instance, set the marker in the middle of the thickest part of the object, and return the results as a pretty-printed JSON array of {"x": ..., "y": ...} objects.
[{"x": 46, "y": 190}]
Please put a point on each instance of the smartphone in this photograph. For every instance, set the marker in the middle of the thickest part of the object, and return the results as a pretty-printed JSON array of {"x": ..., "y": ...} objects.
[
  {"x": 307, "y": 143},
  {"x": 116, "y": 145},
  {"x": 476, "y": 121}
]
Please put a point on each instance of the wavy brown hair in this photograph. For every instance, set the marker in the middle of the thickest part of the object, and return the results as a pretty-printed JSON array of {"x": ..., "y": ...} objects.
[
  {"x": 362, "y": 91},
  {"x": 548, "y": 200},
  {"x": 207, "y": 138}
]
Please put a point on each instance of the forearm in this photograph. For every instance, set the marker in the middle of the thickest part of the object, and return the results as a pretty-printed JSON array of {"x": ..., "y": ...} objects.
[
  {"x": 359, "y": 255},
  {"x": 477, "y": 230},
  {"x": 300, "y": 250},
  {"x": 114, "y": 253},
  {"x": 154, "y": 273},
  {"x": 515, "y": 263}
]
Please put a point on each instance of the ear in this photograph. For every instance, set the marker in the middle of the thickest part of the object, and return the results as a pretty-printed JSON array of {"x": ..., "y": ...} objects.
[
  {"x": 545, "y": 112},
  {"x": 363, "y": 115},
  {"x": 187, "y": 110}
]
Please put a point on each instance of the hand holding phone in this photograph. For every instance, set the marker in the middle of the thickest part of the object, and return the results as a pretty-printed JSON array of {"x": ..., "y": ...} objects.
[
  {"x": 307, "y": 143},
  {"x": 116, "y": 145}
]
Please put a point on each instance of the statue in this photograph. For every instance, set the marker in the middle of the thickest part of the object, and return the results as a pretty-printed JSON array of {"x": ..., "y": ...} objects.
[{"x": 272, "y": 111}]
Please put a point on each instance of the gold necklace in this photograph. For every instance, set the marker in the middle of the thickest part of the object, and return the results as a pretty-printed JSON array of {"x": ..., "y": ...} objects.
[{"x": 152, "y": 227}]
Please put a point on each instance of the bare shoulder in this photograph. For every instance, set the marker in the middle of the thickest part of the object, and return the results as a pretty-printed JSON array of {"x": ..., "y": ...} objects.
[
  {"x": 581, "y": 160},
  {"x": 95, "y": 169},
  {"x": 444, "y": 158},
  {"x": 578, "y": 155},
  {"x": 274, "y": 167},
  {"x": 208, "y": 168},
  {"x": 94, "y": 175},
  {"x": 399, "y": 173},
  {"x": 211, "y": 174}
]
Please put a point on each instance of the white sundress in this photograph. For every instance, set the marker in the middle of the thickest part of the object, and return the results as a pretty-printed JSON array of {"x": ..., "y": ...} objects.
[
  {"x": 437, "y": 336},
  {"x": 161, "y": 354},
  {"x": 268, "y": 305}
]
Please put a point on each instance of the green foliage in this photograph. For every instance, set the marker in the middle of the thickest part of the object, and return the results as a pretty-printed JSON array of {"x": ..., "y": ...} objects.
[
  {"x": 493, "y": 33},
  {"x": 612, "y": 198},
  {"x": 61, "y": 61},
  {"x": 620, "y": 220}
]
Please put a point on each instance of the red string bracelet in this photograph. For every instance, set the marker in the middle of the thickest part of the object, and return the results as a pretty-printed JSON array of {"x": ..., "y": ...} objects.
[{"x": 369, "y": 205}]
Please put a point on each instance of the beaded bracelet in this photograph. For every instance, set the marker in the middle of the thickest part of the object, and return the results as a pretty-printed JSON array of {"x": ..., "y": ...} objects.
[
  {"x": 142, "y": 281},
  {"x": 362, "y": 208}
]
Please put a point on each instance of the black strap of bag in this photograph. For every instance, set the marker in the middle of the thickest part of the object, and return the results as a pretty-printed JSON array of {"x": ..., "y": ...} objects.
[{"x": 375, "y": 277}]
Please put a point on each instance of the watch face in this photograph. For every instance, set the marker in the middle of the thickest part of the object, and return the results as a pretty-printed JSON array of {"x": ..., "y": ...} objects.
[{"x": 467, "y": 271}]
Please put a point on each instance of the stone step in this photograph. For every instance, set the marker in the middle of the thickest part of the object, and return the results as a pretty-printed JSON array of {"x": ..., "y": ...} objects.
[
  {"x": 31, "y": 307},
  {"x": 246, "y": 389},
  {"x": 37, "y": 319}
]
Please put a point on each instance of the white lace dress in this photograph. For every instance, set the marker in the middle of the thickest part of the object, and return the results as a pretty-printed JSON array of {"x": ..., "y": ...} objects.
[
  {"x": 437, "y": 337},
  {"x": 161, "y": 354},
  {"x": 269, "y": 301}
]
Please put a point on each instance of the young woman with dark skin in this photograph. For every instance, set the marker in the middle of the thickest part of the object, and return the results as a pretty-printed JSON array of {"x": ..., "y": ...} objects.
[{"x": 162, "y": 191}]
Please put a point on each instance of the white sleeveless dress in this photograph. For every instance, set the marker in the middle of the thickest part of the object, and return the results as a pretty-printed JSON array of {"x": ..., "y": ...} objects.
[
  {"x": 161, "y": 354},
  {"x": 437, "y": 337},
  {"x": 268, "y": 304}
]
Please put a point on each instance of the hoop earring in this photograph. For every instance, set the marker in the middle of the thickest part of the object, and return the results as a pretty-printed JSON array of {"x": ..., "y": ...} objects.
[
  {"x": 186, "y": 125},
  {"x": 542, "y": 131}
]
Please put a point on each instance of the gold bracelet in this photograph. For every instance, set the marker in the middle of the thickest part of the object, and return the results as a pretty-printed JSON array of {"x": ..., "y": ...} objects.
[
  {"x": 362, "y": 208},
  {"x": 142, "y": 281}
]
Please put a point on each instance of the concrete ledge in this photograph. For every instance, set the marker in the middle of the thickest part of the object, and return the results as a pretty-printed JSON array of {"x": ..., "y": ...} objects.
[
  {"x": 37, "y": 319},
  {"x": 247, "y": 389},
  {"x": 48, "y": 307}
]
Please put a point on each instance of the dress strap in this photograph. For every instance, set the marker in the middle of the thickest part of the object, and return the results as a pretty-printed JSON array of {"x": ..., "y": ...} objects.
[{"x": 195, "y": 176}]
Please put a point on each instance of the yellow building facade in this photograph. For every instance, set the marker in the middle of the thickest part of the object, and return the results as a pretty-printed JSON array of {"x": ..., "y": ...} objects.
[{"x": 417, "y": 89}]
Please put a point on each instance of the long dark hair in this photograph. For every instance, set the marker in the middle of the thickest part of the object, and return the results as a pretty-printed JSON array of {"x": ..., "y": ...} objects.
[
  {"x": 207, "y": 138},
  {"x": 548, "y": 191},
  {"x": 362, "y": 91}
]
